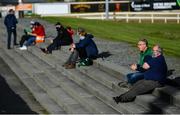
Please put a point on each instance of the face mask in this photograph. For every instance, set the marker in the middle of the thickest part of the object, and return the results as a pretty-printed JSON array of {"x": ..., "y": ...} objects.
[{"x": 81, "y": 37}]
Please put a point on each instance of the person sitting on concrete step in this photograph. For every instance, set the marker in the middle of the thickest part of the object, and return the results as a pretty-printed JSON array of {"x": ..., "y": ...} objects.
[
  {"x": 85, "y": 48},
  {"x": 37, "y": 35},
  {"x": 26, "y": 36},
  {"x": 63, "y": 38},
  {"x": 145, "y": 54},
  {"x": 154, "y": 77}
]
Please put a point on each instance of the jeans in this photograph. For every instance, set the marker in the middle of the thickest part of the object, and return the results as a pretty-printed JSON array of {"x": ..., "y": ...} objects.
[
  {"x": 134, "y": 77},
  {"x": 10, "y": 31},
  {"x": 30, "y": 40}
]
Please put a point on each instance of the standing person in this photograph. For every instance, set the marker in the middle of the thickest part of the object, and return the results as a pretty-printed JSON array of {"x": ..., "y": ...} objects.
[
  {"x": 10, "y": 23},
  {"x": 154, "y": 77},
  {"x": 84, "y": 49},
  {"x": 145, "y": 54},
  {"x": 63, "y": 38}
]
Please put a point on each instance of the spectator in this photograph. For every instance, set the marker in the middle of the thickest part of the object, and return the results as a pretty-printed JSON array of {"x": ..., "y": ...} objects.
[
  {"x": 145, "y": 54},
  {"x": 154, "y": 77},
  {"x": 85, "y": 49},
  {"x": 10, "y": 23},
  {"x": 26, "y": 36},
  {"x": 63, "y": 38},
  {"x": 37, "y": 34}
]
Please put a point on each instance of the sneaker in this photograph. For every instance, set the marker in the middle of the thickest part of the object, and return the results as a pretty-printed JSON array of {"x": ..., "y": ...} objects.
[
  {"x": 23, "y": 48},
  {"x": 124, "y": 85},
  {"x": 45, "y": 51}
]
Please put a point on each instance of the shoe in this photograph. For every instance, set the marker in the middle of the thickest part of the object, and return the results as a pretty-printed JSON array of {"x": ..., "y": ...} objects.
[
  {"x": 70, "y": 66},
  {"x": 124, "y": 85},
  {"x": 23, "y": 48},
  {"x": 116, "y": 99},
  {"x": 16, "y": 44},
  {"x": 44, "y": 50},
  {"x": 65, "y": 65}
]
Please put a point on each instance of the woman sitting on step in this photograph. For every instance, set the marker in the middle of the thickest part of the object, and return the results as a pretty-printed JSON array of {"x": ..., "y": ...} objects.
[{"x": 86, "y": 49}]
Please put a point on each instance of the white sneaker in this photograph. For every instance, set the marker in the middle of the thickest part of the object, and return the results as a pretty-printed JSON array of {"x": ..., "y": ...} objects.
[{"x": 23, "y": 48}]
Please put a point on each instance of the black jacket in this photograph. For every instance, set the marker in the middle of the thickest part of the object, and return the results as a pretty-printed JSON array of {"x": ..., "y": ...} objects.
[{"x": 10, "y": 21}]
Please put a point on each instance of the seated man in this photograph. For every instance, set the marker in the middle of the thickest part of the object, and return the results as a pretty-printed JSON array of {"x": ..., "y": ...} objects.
[
  {"x": 26, "y": 36},
  {"x": 85, "y": 48},
  {"x": 145, "y": 54},
  {"x": 36, "y": 35},
  {"x": 63, "y": 38},
  {"x": 154, "y": 77}
]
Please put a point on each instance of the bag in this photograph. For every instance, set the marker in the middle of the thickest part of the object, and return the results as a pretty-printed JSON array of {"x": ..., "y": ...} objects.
[{"x": 85, "y": 62}]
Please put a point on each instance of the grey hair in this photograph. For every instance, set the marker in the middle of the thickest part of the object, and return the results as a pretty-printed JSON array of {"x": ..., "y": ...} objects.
[{"x": 160, "y": 50}]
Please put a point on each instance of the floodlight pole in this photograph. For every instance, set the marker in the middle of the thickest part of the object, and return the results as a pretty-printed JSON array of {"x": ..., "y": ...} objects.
[
  {"x": 107, "y": 9},
  {"x": 20, "y": 1}
]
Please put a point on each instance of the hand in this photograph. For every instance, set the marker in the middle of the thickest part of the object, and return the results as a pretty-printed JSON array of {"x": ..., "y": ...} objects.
[
  {"x": 73, "y": 45},
  {"x": 71, "y": 49},
  {"x": 133, "y": 67},
  {"x": 146, "y": 66}
]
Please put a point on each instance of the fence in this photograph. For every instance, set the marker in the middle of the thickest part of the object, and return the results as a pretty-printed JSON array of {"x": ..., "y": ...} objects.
[{"x": 128, "y": 16}]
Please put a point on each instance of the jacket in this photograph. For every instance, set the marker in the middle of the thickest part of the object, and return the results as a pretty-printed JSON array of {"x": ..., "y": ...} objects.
[
  {"x": 89, "y": 45},
  {"x": 10, "y": 21}
]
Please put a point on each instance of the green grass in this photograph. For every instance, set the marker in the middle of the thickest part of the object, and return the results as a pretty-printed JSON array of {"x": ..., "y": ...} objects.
[{"x": 166, "y": 35}]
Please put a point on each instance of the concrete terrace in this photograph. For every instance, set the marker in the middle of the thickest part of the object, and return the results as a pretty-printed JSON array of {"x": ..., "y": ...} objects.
[{"x": 87, "y": 90}]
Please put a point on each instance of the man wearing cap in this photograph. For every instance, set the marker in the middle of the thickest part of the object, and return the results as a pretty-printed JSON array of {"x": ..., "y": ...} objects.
[
  {"x": 10, "y": 23},
  {"x": 26, "y": 36},
  {"x": 85, "y": 49},
  {"x": 63, "y": 38},
  {"x": 37, "y": 33}
]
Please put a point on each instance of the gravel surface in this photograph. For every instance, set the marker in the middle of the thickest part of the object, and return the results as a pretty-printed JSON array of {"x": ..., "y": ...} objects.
[{"x": 120, "y": 53}]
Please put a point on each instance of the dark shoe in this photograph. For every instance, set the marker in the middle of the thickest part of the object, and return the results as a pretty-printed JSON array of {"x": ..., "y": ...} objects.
[
  {"x": 116, "y": 99},
  {"x": 8, "y": 48},
  {"x": 16, "y": 44},
  {"x": 126, "y": 97},
  {"x": 124, "y": 85},
  {"x": 44, "y": 50},
  {"x": 65, "y": 64},
  {"x": 70, "y": 66}
]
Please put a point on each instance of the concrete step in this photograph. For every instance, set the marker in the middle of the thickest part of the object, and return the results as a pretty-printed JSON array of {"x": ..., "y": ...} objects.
[
  {"x": 169, "y": 94},
  {"x": 40, "y": 95},
  {"x": 51, "y": 88},
  {"x": 100, "y": 91},
  {"x": 83, "y": 96},
  {"x": 156, "y": 107},
  {"x": 93, "y": 72}
]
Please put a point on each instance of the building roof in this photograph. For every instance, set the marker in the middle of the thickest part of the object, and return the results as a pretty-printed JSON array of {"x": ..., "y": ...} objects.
[{"x": 15, "y": 2}]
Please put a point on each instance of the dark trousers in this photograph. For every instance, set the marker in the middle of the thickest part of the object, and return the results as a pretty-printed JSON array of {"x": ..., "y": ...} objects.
[
  {"x": 56, "y": 44},
  {"x": 10, "y": 32},
  {"x": 140, "y": 87},
  {"x": 23, "y": 39}
]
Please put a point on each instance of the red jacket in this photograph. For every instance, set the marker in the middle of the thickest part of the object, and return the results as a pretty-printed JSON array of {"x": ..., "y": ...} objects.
[{"x": 39, "y": 31}]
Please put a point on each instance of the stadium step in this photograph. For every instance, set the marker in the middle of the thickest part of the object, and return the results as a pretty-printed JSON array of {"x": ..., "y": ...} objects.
[
  {"x": 39, "y": 94},
  {"x": 71, "y": 88}
]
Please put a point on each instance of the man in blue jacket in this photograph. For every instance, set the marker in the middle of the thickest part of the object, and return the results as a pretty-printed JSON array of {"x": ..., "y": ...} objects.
[
  {"x": 85, "y": 48},
  {"x": 154, "y": 77},
  {"x": 10, "y": 23}
]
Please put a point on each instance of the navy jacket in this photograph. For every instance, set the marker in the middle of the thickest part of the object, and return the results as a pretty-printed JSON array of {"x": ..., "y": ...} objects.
[
  {"x": 157, "y": 70},
  {"x": 10, "y": 21},
  {"x": 89, "y": 45}
]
